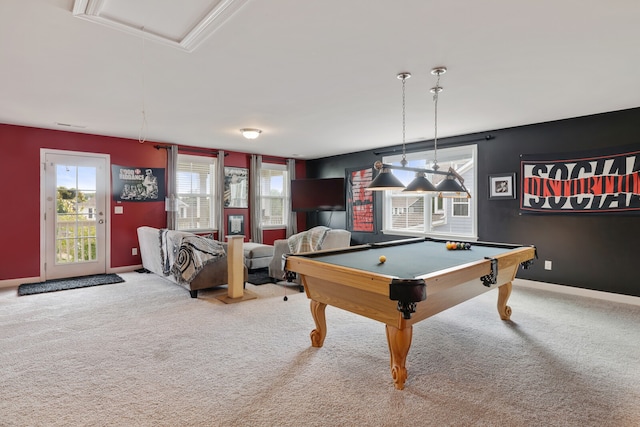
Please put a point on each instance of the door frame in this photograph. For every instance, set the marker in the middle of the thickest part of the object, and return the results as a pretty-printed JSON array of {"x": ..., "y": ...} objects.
[{"x": 43, "y": 231}]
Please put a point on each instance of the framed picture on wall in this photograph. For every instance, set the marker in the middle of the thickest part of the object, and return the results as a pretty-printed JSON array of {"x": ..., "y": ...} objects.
[
  {"x": 236, "y": 188},
  {"x": 502, "y": 186},
  {"x": 235, "y": 225},
  {"x": 137, "y": 184},
  {"x": 360, "y": 202}
]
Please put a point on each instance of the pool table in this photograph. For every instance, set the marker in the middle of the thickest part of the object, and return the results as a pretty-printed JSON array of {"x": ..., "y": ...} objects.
[{"x": 419, "y": 278}]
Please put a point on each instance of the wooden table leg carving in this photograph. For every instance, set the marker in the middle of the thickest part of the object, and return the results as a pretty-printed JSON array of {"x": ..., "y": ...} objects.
[
  {"x": 504, "y": 292},
  {"x": 318, "y": 334},
  {"x": 399, "y": 342}
]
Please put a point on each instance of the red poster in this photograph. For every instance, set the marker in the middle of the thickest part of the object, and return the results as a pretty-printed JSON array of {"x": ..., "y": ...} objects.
[{"x": 360, "y": 212}]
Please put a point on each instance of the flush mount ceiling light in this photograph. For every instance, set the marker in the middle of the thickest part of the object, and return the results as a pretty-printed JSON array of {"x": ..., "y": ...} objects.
[
  {"x": 451, "y": 186},
  {"x": 250, "y": 133}
]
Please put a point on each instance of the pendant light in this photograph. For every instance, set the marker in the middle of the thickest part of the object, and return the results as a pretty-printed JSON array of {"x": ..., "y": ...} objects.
[
  {"x": 451, "y": 186},
  {"x": 385, "y": 180},
  {"x": 420, "y": 183},
  {"x": 448, "y": 187}
]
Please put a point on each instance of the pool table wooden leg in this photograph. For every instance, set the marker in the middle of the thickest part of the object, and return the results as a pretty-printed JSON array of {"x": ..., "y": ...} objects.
[
  {"x": 399, "y": 342},
  {"x": 503, "y": 295},
  {"x": 318, "y": 334}
]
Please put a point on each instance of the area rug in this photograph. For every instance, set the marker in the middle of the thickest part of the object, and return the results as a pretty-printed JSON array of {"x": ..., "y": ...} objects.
[
  {"x": 69, "y": 283},
  {"x": 259, "y": 276}
]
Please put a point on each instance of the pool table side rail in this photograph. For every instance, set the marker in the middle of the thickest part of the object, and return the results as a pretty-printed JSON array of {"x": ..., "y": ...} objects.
[
  {"x": 347, "y": 276},
  {"x": 432, "y": 239},
  {"x": 456, "y": 285},
  {"x": 470, "y": 270}
]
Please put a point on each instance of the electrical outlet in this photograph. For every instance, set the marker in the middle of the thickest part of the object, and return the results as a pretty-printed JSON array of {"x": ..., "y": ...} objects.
[
  {"x": 547, "y": 265},
  {"x": 134, "y": 251}
]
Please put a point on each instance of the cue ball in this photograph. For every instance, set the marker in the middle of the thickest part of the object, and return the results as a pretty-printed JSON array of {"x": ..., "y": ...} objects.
[{"x": 382, "y": 258}]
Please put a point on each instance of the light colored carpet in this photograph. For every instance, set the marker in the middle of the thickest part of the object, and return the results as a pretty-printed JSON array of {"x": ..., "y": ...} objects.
[{"x": 143, "y": 353}]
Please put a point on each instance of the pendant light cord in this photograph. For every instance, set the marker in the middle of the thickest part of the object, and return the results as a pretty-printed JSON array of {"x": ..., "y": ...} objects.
[
  {"x": 403, "y": 162},
  {"x": 436, "y": 90},
  {"x": 142, "y": 134},
  {"x": 403, "y": 77}
]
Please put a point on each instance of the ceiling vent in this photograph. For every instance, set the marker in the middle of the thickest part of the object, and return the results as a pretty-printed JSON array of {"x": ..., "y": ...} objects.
[{"x": 179, "y": 24}]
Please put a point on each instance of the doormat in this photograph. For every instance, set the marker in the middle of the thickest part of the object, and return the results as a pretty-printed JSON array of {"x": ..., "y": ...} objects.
[
  {"x": 69, "y": 283},
  {"x": 259, "y": 276}
]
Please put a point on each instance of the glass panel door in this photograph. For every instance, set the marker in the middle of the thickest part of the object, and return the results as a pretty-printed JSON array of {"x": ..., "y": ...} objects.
[{"x": 74, "y": 215}]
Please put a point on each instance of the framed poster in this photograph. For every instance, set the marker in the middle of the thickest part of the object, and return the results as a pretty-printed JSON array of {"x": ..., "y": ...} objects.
[
  {"x": 360, "y": 202},
  {"x": 235, "y": 225},
  {"x": 137, "y": 184},
  {"x": 502, "y": 186},
  {"x": 236, "y": 187}
]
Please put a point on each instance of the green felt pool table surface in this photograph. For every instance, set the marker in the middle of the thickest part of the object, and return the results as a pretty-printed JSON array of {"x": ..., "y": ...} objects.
[{"x": 411, "y": 258}]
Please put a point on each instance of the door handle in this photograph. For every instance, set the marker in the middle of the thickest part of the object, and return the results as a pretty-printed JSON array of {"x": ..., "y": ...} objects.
[{"x": 101, "y": 221}]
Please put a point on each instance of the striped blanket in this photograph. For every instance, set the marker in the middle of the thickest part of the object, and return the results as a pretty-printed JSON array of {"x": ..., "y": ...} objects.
[{"x": 308, "y": 241}]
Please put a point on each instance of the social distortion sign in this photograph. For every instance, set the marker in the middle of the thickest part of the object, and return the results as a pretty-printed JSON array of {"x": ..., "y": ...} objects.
[{"x": 590, "y": 184}]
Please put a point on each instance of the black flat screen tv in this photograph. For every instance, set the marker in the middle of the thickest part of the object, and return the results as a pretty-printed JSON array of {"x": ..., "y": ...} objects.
[{"x": 322, "y": 194}]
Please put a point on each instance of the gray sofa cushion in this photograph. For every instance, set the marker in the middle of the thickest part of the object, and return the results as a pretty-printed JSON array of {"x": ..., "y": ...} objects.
[{"x": 257, "y": 250}]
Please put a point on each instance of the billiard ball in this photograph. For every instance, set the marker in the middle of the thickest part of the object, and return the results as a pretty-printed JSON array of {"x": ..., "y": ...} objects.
[{"x": 382, "y": 259}]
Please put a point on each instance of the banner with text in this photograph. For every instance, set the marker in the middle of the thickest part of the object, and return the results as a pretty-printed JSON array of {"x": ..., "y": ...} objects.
[{"x": 589, "y": 182}]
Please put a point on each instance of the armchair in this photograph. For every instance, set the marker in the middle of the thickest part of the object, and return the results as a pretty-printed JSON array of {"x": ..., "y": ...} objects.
[{"x": 334, "y": 239}]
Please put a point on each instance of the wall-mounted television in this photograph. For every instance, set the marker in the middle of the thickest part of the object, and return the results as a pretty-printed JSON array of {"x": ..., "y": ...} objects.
[{"x": 322, "y": 194}]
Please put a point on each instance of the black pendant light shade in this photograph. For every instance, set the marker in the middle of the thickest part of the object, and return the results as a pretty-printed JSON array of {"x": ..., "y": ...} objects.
[
  {"x": 450, "y": 185},
  {"x": 385, "y": 181},
  {"x": 420, "y": 184}
]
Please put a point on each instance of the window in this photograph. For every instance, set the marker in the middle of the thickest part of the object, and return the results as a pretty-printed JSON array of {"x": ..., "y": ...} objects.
[
  {"x": 405, "y": 213},
  {"x": 196, "y": 192},
  {"x": 460, "y": 207},
  {"x": 274, "y": 195}
]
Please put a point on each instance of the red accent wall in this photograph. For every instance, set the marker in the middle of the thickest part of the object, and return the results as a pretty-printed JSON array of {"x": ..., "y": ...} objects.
[
  {"x": 20, "y": 182},
  {"x": 269, "y": 236}
]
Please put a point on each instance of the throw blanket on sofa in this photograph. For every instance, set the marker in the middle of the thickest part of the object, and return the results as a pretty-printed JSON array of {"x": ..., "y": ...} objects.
[
  {"x": 167, "y": 253},
  {"x": 308, "y": 241},
  {"x": 193, "y": 253}
]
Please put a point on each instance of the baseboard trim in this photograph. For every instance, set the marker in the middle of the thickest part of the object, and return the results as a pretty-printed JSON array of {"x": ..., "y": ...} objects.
[
  {"x": 571, "y": 290},
  {"x": 14, "y": 283},
  {"x": 124, "y": 269}
]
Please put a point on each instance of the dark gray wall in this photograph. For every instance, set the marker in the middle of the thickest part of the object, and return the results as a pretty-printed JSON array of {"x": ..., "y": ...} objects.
[{"x": 588, "y": 251}]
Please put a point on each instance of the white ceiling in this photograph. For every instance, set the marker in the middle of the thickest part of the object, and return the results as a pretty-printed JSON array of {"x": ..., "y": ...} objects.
[{"x": 318, "y": 77}]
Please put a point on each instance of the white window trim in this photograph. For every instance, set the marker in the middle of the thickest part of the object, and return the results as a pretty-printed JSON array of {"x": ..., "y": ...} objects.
[
  {"x": 287, "y": 199},
  {"x": 443, "y": 155},
  {"x": 214, "y": 205}
]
